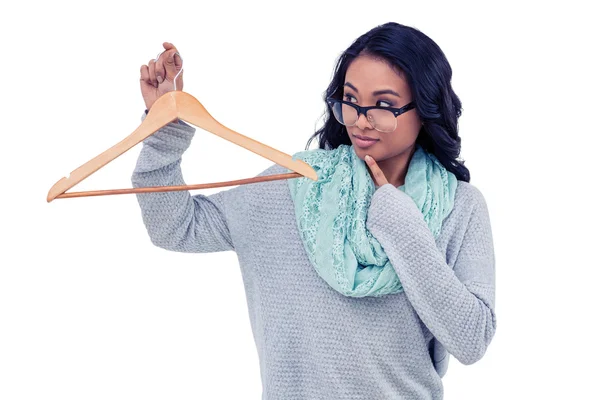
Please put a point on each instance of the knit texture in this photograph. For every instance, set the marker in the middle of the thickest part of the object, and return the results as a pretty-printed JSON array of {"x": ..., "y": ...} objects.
[{"x": 313, "y": 342}]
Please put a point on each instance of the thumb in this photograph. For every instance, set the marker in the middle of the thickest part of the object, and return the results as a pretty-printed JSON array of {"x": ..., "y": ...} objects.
[
  {"x": 178, "y": 61},
  {"x": 173, "y": 65}
]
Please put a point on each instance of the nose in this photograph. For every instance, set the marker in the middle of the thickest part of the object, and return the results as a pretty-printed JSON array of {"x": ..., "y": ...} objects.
[{"x": 363, "y": 123}]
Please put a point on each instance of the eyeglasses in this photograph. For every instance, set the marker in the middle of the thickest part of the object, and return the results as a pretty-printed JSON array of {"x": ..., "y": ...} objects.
[{"x": 382, "y": 119}]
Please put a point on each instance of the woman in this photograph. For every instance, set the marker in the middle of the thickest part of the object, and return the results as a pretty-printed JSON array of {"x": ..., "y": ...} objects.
[{"x": 360, "y": 284}]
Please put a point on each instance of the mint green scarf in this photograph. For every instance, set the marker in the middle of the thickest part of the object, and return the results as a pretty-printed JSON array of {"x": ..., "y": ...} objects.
[{"x": 331, "y": 215}]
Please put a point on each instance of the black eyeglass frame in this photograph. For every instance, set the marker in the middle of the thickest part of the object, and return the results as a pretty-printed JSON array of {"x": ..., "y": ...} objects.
[{"x": 363, "y": 110}]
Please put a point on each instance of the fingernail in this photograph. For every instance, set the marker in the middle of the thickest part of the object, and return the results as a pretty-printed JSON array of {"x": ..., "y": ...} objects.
[{"x": 159, "y": 79}]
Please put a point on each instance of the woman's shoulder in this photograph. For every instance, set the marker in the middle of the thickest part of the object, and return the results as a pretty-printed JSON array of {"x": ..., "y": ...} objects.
[
  {"x": 470, "y": 207},
  {"x": 470, "y": 210},
  {"x": 469, "y": 195}
]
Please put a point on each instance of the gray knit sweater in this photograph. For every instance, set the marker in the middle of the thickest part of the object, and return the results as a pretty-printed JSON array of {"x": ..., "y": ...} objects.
[{"x": 313, "y": 342}]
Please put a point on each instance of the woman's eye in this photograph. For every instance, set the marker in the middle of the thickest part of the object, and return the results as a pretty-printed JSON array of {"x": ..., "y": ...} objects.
[{"x": 350, "y": 98}]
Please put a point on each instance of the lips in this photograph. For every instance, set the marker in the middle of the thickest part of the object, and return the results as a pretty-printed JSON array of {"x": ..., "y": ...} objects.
[
  {"x": 364, "y": 137},
  {"x": 364, "y": 143}
]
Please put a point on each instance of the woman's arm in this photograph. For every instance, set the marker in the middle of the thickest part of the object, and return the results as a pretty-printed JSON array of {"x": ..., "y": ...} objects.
[
  {"x": 456, "y": 305},
  {"x": 176, "y": 220}
]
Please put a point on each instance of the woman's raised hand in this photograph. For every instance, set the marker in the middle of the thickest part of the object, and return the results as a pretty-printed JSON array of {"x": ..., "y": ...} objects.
[{"x": 157, "y": 78}]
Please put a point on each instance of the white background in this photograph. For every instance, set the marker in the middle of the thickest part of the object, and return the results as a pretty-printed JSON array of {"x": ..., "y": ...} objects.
[{"x": 90, "y": 309}]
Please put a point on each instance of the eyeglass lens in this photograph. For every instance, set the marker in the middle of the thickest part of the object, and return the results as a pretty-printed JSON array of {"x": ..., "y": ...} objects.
[{"x": 382, "y": 120}]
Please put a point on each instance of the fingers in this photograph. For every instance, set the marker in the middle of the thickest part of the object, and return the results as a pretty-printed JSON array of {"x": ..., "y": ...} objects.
[
  {"x": 378, "y": 175},
  {"x": 165, "y": 68},
  {"x": 170, "y": 62},
  {"x": 145, "y": 75},
  {"x": 152, "y": 72},
  {"x": 178, "y": 60},
  {"x": 168, "y": 45},
  {"x": 159, "y": 68}
]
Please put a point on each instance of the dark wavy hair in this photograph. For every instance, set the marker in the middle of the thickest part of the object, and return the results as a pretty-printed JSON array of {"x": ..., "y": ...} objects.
[{"x": 428, "y": 75}]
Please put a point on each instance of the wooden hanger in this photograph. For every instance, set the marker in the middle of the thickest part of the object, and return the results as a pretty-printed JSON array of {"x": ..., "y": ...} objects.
[{"x": 170, "y": 106}]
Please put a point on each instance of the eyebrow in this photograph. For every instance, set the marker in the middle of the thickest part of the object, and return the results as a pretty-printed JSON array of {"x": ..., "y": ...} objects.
[{"x": 376, "y": 93}]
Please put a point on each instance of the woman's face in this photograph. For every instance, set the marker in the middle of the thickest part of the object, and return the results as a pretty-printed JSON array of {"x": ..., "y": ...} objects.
[{"x": 366, "y": 76}]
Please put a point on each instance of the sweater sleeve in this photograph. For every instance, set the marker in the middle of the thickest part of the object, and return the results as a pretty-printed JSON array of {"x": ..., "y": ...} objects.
[
  {"x": 176, "y": 220},
  {"x": 456, "y": 304}
]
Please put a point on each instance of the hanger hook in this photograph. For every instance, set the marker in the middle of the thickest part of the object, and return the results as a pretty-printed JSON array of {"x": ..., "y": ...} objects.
[{"x": 180, "y": 71}]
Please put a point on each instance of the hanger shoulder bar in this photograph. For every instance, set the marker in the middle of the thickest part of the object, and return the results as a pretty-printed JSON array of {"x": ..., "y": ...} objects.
[{"x": 162, "y": 112}]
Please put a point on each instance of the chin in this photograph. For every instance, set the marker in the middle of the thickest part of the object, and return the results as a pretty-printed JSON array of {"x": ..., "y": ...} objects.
[{"x": 362, "y": 152}]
